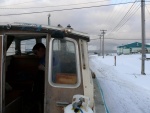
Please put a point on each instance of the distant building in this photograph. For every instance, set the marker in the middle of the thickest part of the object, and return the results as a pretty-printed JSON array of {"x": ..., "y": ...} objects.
[{"x": 135, "y": 47}]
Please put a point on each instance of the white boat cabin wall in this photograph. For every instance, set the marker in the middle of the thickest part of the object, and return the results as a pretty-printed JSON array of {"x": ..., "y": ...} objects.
[{"x": 68, "y": 76}]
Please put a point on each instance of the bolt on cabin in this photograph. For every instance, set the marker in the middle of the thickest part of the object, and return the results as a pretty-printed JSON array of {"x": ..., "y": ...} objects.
[{"x": 67, "y": 81}]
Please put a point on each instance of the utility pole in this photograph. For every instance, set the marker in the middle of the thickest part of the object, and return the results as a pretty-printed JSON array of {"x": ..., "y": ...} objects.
[
  {"x": 103, "y": 32},
  {"x": 143, "y": 36},
  {"x": 100, "y": 45},
  {"x": 49, "y": 19}
]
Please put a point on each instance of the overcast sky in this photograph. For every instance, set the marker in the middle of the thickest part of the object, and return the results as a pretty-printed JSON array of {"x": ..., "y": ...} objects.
[{"x": 122, "y": 21}]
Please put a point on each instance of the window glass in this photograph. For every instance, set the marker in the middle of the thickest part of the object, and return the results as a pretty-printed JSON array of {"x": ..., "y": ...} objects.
[
  {"x": 11, "y": 49},
  {"x": 23, "y": 46},
  {"x": 27, "y": 45},
  {"x": 44, "y": 41},
  {"x": 64, "y": 62}
]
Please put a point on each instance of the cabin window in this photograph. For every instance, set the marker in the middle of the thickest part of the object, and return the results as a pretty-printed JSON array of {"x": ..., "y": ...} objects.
[
  {"x": 23, "y": 46},
  {"x": 64, "y": 62},
  {"x": 11, "y": 49},
  {"x": 44, "y": 41},
  {"x": 27, "y": 45}
]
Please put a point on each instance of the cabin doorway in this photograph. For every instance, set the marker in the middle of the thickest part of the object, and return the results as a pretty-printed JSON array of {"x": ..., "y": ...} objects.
[{"x": 21, "y": 71}]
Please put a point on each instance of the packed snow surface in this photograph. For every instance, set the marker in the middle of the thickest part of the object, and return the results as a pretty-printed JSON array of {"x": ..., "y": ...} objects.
[{"x": 125, "y": 90}]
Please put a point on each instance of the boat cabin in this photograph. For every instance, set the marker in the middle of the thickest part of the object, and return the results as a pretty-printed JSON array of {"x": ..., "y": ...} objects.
[{"x": 66, "y": 70}]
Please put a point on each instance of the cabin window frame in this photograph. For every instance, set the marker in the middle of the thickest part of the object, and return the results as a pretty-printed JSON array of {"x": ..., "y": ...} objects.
[
  {"x": 77, "y": 65},
  {"x": 2, "y": 78}
]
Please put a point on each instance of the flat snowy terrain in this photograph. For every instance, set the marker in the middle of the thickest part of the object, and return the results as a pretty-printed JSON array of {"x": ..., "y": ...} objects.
[{"x": 125, "y": 90}]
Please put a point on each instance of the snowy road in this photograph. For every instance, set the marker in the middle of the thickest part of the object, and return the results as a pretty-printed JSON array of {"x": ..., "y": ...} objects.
[{"x": 125, "y": 89}]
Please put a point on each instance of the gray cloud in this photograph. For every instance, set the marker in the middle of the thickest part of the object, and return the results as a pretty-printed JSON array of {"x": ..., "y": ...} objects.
[{"x": 90, "y": 20}]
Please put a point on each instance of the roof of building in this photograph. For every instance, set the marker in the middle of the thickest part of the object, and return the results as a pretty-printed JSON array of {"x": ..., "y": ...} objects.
[{"x": 133, "y": 45}]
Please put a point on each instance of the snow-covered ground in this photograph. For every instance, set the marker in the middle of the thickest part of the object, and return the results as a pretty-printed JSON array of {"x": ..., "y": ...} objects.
[{"x": 125, "y": 90}]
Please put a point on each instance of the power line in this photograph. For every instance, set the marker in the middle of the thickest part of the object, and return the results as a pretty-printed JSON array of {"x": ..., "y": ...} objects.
[
  {"x": 131, "y": 15},
  {"x": 115, "y": 15},
  {"x": 108, "y": 17},
  {"x": 123, "y": 17},
  {"x": 57, "y": 5},
  {"x": 126, "y": 20},
  {"x": 58, "y": 10},
  {"x": 117, "y": 39},
  {"x": 129, "y": 18},
  {"x": 148, "y": 10}
]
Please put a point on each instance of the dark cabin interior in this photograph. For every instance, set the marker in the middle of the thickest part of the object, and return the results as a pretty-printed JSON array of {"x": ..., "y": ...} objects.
[{"x": 21, "y": 71}]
